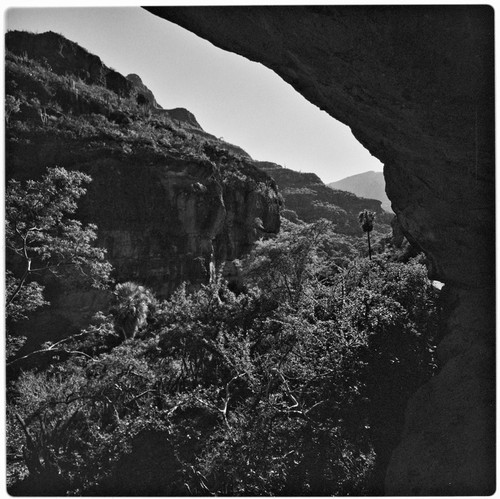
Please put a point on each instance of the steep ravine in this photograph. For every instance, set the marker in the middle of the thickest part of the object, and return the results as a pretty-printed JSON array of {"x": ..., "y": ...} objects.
[{"x": 415, "y": 84}]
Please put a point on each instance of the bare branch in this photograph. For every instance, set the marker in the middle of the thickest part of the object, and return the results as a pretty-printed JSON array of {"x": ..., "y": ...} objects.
[{"x": 46, "y": 350}]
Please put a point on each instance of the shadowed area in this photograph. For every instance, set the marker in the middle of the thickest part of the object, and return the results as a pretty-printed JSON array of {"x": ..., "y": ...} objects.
[{"x": 416, "y": 86}]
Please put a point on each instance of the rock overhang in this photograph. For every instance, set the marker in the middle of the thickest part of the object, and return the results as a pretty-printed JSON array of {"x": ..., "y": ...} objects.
[{"x": 415, "y": 85}]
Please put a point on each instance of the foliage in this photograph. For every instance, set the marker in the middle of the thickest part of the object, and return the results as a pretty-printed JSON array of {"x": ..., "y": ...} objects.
[
  {"x": 12, "y": 106},
  {"x": 133, "y": 304},
  {"x": 295, "y": 386},
  {"x": 366, "y": 219},
  {"x": 42, "y": 238},
  {"x": 234, "y": 394},
  {"x": 28, "y": 299},
  {"x": 75, "y": 417},
  {"x": 285, "y": 266},
  {"x": 75, "y": 110}
]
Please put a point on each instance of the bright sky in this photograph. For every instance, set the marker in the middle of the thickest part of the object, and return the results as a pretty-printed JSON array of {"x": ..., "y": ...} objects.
[{"x": 244, "y": 102}]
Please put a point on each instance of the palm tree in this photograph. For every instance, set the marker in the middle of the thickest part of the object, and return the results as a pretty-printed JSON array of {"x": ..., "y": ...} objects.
[
  {"x": 366, "y": 219},
  {"x": 132, "y": 307}
]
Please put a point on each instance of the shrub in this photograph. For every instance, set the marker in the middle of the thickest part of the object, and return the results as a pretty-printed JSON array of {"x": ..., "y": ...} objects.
[{"x": 232, "y": 394}]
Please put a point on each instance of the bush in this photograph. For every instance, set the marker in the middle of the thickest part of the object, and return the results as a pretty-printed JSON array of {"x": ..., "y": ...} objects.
[{"x": 231, "y": 394}]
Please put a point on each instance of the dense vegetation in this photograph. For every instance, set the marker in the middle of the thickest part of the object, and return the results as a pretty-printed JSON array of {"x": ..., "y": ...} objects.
[
  {"x": 294, "y": 385},
  {"x": 42, "y": 239}
]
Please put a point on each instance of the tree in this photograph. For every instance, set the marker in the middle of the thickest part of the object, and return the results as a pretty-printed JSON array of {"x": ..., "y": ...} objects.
[
  {"x": 366, "y": 219},
  {"x": 41, "y": 238},
  {"x": 229, "y": 394},
  {"x": 286, "y": 266},
  {"x": 133, "y": 303}
]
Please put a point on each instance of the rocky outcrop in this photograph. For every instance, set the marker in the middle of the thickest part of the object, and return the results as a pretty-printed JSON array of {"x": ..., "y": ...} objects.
[
  {"x": 145, "y": 97},
  {"x": 65, "y": 58},
  {"x": 162, "y": 219},
  {"x": 183, "y": 115},
  {"x": 449, "y": 433},
  {"x": 144, "y": 94},
  {"x": 416, "y": 86}
]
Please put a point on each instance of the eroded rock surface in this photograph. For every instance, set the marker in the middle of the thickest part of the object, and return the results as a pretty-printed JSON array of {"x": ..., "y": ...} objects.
[
  {"x": 449, "y": 433},
  {"x": 415, "y": 84}
]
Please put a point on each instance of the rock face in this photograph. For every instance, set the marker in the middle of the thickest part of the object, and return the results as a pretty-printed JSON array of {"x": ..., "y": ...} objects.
[
  {"x": 450, "y": 421},
  {"x": 416, "y": 86},
  {"x": 146, "y": 98},
  {"x": 144, "y": 94}
]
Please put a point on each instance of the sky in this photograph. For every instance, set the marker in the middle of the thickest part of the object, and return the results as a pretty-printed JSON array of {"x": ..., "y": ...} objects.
[{"x": 241, "y": 101}]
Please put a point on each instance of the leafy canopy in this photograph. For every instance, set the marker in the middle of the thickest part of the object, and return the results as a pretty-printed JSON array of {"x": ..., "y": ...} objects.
[
  {"x": 41, "y": 237},
  {"x": 232, "y": 394},
  {"x": 366, "y": 219}
]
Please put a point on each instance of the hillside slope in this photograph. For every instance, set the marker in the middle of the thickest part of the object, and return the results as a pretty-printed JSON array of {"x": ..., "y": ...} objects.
[
  {"x": 368, "y": 185},
  {"x": 162, "y": 187}
]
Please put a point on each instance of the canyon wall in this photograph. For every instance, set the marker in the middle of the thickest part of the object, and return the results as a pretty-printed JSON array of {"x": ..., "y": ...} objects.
[
  {"x": 416, "y": 86},
  {"x": 162, "y": 220},
  {"x": 172, "y": 203}
]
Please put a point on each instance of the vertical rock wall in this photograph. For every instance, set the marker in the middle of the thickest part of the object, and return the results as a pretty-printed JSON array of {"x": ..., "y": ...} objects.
[
  {"x": 416, "y": 86},
  {"x": 162, "y": 220}
]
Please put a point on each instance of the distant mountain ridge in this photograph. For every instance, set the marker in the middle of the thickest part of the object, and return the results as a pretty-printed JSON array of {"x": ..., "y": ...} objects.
[
  {"x": 369, "y": 185},
  {"x": 308, "y": 199}
]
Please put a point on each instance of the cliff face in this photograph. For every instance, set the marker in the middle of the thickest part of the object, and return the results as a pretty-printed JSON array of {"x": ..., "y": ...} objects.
[
  {"x": 172, "y": 203},
  {"x": 416, "y": 86}
]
